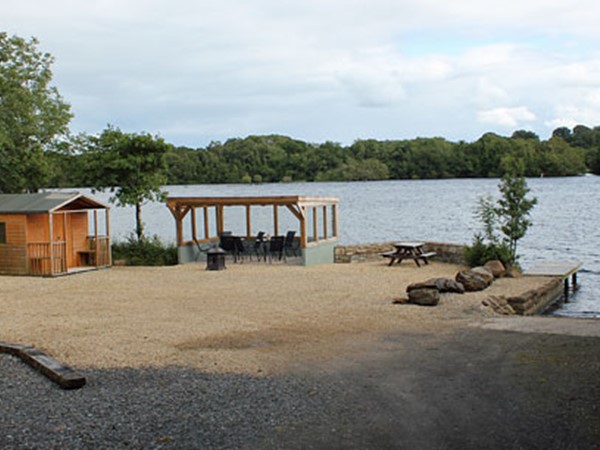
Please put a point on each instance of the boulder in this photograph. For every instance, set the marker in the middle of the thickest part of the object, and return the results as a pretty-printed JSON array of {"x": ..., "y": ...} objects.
[
  {"x": 424, "y": 297},
  {"x": 496, "y": 268},
  {"x": 451, "y": 286},
  {"x": 473, "y": 281},
  {"x": 486, "y": 274},
  {"x": 499, "y": 304},
  {"x": 441, "y": 284}
]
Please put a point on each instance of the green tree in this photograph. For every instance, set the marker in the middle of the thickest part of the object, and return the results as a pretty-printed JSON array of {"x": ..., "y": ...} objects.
[
  {"x": 32, "y": 114},
  {"x": 132, "y": 166},
  {"x": 513, "y": 207}
]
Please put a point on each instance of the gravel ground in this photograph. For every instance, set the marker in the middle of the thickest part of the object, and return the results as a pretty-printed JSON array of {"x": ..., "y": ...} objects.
[
  {"x": 471, "y": 389},
  {"x": 152, "y": 408}
]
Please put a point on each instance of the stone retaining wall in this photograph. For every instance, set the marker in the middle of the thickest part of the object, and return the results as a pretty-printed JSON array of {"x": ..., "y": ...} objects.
[
  {"x": 537, "y": 300},
  {"x": 452, "y": 253}
]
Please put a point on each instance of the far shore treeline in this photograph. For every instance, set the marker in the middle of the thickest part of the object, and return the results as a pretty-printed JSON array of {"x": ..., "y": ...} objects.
[
  {"x": 275, "y": 158},
  {"x": 37, "y": 149}
]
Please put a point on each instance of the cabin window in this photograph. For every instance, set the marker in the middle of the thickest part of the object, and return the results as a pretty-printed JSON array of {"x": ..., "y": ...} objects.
[{"x": 2, "y": 233}]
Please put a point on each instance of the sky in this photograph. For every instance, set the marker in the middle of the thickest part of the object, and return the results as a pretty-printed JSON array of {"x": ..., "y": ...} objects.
[{"x": 197, "y": 71}]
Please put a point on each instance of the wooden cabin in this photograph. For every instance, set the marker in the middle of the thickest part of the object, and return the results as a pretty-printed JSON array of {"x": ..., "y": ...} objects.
[
  {"x": 52, "y": 233},
  {"x": 315, "y": 218}
]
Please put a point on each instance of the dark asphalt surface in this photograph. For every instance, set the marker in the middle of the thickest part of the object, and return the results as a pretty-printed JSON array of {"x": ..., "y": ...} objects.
[{"x": 478, "y": 389}]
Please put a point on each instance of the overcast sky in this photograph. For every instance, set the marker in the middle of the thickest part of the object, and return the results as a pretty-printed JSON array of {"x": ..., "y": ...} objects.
[{"x": 196, "y": 71}]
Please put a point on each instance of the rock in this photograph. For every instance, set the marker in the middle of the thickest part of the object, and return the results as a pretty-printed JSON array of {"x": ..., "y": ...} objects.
[
  {"x": 424, "y": 297},
  {"x": 499, "y": 305},
  {"x": 513, "y": 272},
  {"x": 400, "y": 300},
  {"x": 473, "y": 281},
  {"x": 486, "y": 274},
  {"x": 496, "y": 268},
  {"x": 441, "y": 284},
  {"x": 429, "y": 284},
  {"x": 452, "y": 286}
]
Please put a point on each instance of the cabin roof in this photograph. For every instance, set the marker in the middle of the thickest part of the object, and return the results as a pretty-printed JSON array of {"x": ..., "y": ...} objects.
[{"x": 44, "y": 202}]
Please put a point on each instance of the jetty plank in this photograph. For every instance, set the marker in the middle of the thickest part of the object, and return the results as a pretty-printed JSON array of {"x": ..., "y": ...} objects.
[
  {"x": 554, "y": 269},
  {"x": 562, "y": 269},
  {"x": 66, "y": 377}
]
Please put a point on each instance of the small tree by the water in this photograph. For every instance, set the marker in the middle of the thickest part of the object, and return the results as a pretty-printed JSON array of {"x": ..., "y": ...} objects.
[{"x": 509, "y": 216}]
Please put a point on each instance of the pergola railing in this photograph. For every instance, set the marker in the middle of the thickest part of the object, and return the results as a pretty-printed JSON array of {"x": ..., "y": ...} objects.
[{"x": 324, "y": 212}]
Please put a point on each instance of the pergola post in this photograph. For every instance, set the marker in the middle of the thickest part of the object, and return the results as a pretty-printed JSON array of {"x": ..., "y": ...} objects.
[
  {"x": 193, "y": 225},
  {"x": 303, "y": 229},
  {"x": 325, "y": 231},
  {"x": 248, "y": 222},
  {"x": 220, "y": 221},
  {"x": 334, "y": 210},
  {"x": 275, "y": 220},
  {"x": 206, "y": 227},
  {"x": 315, "y": 224}
]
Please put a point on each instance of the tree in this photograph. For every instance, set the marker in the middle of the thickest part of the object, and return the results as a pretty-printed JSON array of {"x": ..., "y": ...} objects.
[
  {"x": 525, "y": 134},
  {"x": 32, "y": 114},
  {"x": 132, "y": 166},
  {"x": 513, "y": 207}
]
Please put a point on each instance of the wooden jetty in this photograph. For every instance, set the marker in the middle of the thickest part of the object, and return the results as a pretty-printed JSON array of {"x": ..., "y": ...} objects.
[{"x": 564, "y": 269}]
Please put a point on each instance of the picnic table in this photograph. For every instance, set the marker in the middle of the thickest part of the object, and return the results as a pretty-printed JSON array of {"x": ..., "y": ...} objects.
[{"x": 408, "y": 250}]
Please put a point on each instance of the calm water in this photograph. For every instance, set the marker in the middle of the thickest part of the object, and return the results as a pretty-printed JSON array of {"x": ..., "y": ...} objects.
[{"x": 565, "y": 220}]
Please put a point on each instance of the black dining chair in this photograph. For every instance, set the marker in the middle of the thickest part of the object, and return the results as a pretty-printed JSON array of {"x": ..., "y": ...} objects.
[
  {"x": 239, "y": 249},
  {"x": 260, "y": 246},
  {"x": 277, "y": 248},
  {"x": 290, "y": 243},
  {"x": 227, "y": 244}
]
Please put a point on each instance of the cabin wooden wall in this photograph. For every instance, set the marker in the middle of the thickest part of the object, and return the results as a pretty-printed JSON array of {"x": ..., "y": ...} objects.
[
  {"x": 13, "y": 254},
  {"x": 37, "y": 228}
]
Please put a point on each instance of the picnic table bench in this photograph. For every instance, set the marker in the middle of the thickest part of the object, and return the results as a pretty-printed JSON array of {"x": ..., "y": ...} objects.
[{"x": 408, "y": 250}]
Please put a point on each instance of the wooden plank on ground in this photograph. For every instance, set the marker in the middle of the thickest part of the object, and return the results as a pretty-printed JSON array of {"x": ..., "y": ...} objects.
[{"x": 66, "y": 377}]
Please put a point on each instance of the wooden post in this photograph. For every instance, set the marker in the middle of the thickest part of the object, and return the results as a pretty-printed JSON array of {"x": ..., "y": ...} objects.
[
  {"x": 334, "y": 209},
  {"x": 220, "y": 221},
  {"x": 275, "y": 220},
  {"x": 193, "y": 222},
  {"x": 303, "y": 229},
  {"x": 315, "y": 224},
  {"x": 206, "y": 227},
  {"x": 248, "y": 222},
  {"x": 65, "y": 259},
  {"x": 108, "y": 240},
  {"x": 325, "y": 231},
  {"x": 51, "y": 244},
  {"x": 97, "y": 246}
]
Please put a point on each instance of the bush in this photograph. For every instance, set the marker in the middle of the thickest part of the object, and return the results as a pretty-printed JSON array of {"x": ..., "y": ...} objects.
[
  {"x": 481, "y": 252},
  {"x": 145, "y": 252}
]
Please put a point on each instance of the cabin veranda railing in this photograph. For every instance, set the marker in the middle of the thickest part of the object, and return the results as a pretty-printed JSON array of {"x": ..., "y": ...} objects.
[{"x": 46, "y": 259}]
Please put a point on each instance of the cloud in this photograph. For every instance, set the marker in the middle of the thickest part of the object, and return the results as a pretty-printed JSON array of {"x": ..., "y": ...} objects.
[
  {"x": 195, "y": 70},
  {"x": 506, "y": 117}
]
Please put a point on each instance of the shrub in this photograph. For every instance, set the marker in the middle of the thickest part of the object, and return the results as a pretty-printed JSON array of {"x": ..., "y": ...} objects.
[
  {"x": 481, "y": 252},
  {"x": 145, "y": 252}
]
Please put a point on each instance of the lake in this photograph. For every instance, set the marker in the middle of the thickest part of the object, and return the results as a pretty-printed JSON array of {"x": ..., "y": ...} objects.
[{"x": 565, "y": 220}]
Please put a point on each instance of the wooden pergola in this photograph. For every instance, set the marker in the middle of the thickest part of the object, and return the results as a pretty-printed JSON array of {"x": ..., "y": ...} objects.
[{"x": 324, "y": 212}]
